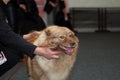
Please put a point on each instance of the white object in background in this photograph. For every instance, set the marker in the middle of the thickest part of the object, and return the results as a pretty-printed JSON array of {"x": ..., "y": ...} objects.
[{"x": 3, "y": 59}]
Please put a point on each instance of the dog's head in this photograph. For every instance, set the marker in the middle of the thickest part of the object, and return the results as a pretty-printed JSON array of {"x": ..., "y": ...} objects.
[{"x": 60, "y": 38}]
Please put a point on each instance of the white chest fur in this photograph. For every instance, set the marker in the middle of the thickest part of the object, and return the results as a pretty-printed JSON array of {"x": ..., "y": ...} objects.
[{"x": 55, "y": 69}]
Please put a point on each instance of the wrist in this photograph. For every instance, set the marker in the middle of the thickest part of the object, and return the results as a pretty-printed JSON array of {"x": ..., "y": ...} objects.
[{"x": 37, "y": 50}]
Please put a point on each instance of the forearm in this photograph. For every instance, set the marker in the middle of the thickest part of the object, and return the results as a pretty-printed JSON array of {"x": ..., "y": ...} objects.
[{"x": 13, "y": 40}]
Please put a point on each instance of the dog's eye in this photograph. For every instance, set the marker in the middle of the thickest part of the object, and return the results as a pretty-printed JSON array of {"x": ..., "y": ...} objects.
[
  {"x": 71, "y": 35},
  {"x": 62, "y": 37}
]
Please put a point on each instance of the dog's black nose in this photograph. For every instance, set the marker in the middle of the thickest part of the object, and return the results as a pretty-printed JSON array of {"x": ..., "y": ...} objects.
[{"x": 72, "y": 44}]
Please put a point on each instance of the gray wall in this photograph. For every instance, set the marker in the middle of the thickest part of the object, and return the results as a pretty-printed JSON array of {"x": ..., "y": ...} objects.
[{"x": 94, "y": 3}]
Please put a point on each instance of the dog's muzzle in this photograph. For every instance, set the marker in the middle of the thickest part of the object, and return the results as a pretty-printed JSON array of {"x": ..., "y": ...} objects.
[{"x": 69, "y": 48}]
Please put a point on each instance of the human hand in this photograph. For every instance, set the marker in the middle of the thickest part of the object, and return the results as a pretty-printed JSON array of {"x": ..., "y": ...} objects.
[
  {"x": 23, "y": 6},
  {"x": 65, "y": 14},
  {"x": 47, "y": 52},
  {"x": 53, "y": 4},
  {"x": 6, "y": 1}
]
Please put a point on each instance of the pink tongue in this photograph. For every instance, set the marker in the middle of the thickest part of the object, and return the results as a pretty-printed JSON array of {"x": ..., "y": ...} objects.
[{"x": 70, "y": 50}]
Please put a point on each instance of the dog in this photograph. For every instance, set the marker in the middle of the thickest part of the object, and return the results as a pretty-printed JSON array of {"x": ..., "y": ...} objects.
[{"x": 61, "y": 38}]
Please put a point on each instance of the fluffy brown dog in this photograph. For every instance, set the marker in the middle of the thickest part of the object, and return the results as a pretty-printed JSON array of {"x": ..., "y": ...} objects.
[{"x": 62, "y": 39}]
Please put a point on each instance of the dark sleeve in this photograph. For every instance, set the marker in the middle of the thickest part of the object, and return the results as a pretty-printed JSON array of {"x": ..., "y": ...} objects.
[
  {"x": 12, "y": 40},
  {"x": 10, "y": 14},
  {"x": 32, "y": 7},
  {"x": 48, "y": 7},
  {"x": 61, "y": 4}
]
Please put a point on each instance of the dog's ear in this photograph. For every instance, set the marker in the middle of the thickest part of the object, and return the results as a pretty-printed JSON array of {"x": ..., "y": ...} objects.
[
  {"x": 32, "y": 36},
  {"x": 76, "y": 39},
  {"x": 48, "y": 32}
]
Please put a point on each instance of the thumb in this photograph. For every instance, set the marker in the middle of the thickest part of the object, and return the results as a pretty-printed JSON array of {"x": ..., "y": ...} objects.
[{"x": 55, "y": 56}]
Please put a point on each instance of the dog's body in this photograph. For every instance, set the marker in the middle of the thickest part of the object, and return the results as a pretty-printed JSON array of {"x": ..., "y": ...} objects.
[{"x": 61, "y": 38}]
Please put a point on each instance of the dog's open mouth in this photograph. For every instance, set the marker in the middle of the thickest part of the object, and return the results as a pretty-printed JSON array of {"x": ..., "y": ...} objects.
[{"x": 68, "y": 49}]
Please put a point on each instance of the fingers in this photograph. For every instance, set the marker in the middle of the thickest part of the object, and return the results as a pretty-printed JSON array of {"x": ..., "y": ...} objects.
[
  {"x": 47, "y": 52},
  {"x": 55, "y": 56}
]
